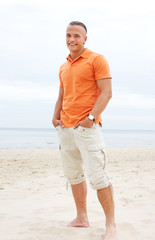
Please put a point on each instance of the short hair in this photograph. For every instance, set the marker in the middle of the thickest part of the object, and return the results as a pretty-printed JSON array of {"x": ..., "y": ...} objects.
[{"x": 78, "y": 23}]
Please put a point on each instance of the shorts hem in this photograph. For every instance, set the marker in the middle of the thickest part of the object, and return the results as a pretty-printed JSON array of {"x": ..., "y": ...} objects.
[
  {"x": 75, "y": 182},
  {"x": 101, "y": 186}
]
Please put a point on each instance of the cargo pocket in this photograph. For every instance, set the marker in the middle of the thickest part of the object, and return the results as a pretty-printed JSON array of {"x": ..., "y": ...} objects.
[
  {"x": 97, "y": 156},
  {"x": 97, "y": 173}
]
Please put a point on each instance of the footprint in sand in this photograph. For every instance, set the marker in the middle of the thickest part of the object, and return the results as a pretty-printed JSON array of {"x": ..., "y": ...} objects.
[{"x": 126, "y": 229}]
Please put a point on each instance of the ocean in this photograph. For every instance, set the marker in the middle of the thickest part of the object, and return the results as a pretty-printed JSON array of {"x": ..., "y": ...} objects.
[{"x": 14, "y": 138}]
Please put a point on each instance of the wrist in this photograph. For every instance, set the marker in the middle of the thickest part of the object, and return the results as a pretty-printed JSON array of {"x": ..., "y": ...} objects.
[{"x": 91, "y": 117}]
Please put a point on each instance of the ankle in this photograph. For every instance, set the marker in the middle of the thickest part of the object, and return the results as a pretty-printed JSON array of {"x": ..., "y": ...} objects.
[
  {"x": 110, "y": 225},
  {"x": 82, "y": 216}
]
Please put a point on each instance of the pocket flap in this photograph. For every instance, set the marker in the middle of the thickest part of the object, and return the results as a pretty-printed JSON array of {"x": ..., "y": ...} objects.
[{"x": 95, "y": 148}]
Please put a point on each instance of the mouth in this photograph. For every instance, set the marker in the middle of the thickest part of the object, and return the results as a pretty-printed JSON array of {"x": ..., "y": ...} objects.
[{"x": 72, "y": 44}]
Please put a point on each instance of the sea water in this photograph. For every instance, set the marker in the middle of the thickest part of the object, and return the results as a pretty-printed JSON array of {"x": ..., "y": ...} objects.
[{"x": 12, "y": 138}]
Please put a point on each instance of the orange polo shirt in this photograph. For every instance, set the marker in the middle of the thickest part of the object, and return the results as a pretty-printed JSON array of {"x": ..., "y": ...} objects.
[{"x": 78, "y": 78}]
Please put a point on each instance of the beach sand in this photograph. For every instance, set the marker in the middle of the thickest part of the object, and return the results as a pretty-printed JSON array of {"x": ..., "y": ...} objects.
[{"x": 35, "y": 205}]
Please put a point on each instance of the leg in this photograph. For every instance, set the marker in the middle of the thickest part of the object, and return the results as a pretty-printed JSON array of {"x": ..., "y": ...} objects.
[
  {"x": 91, "y": 145},
  {"x": 105, "y": 196},
  {"x": 80, "y": 193},
  {"x": 73, "y": 172}
]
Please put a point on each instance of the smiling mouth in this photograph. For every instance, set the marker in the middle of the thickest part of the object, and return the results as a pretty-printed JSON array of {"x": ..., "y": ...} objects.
[{"x": 70, "y": 44}]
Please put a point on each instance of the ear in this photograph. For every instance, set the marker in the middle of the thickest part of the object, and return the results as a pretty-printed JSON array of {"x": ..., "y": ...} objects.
[{"x": 85, "y": 39}]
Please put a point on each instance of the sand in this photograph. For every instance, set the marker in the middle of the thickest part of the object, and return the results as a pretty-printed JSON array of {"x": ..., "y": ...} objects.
[{"x": 35, "y": 205}]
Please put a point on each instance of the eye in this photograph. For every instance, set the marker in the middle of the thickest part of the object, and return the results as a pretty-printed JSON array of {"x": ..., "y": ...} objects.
[{"x": 67, "y": 35}]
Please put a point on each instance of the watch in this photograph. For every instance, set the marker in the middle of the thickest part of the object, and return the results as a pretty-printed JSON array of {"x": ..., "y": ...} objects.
[{"x": 91, "y": 117}]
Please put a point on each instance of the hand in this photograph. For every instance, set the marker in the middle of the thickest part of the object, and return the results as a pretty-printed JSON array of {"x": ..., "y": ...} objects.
[
  {"x": 57, "y": 123},
  {"x": 87, "y": 123}
]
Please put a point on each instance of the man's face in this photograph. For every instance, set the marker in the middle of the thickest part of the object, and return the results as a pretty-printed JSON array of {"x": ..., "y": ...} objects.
[{"x": 75, "y": 38}]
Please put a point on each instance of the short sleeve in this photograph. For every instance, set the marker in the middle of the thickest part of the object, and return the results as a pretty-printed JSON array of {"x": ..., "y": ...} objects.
[
  {"x": 101, "y": 68},
  {"x": 61, "y": 83}
]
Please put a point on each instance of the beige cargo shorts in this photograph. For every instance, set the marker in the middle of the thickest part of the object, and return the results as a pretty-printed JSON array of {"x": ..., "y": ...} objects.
[{"x": 83, "y": 151}]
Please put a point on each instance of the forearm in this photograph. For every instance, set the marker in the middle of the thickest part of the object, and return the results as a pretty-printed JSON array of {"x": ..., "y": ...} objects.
[
  {"x": 58, "y": 108},
  {"x": 101, "y": 103}
]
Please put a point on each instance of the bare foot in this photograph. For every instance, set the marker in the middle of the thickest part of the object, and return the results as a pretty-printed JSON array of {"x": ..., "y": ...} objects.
[
  {"x": 79, "y": 223},
  {"x": 111, "y": 233}
]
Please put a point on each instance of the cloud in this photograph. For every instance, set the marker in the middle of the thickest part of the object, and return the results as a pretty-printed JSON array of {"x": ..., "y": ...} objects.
[
  {"x": 129, "y": 121},
  {"x": 27, "y": 92},
  {"x": 134, "y": 101}
]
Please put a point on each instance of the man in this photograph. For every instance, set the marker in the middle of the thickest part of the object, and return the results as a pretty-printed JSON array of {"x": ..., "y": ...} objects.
[{"x": 85, "y": 90}]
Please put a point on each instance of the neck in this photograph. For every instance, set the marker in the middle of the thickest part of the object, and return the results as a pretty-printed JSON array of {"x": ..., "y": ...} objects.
[{"x": 75, "y": 55}]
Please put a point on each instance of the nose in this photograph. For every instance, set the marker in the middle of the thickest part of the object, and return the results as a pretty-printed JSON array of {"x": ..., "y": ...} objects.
[{"x": 72, "y": 39}]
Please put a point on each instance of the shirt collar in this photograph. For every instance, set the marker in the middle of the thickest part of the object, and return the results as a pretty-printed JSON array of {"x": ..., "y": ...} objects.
[{"x": 83, "y": 55}]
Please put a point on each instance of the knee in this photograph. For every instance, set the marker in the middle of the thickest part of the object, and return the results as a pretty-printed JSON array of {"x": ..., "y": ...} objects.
[{"x": 99, "y": 181}]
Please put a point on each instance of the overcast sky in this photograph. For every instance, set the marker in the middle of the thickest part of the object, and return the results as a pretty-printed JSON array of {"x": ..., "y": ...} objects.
[{"x": 32, "y": 48}]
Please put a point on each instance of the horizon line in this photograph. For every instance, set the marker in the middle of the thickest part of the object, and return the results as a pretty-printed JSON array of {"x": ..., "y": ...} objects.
[{"x": 48, "y": 128}]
